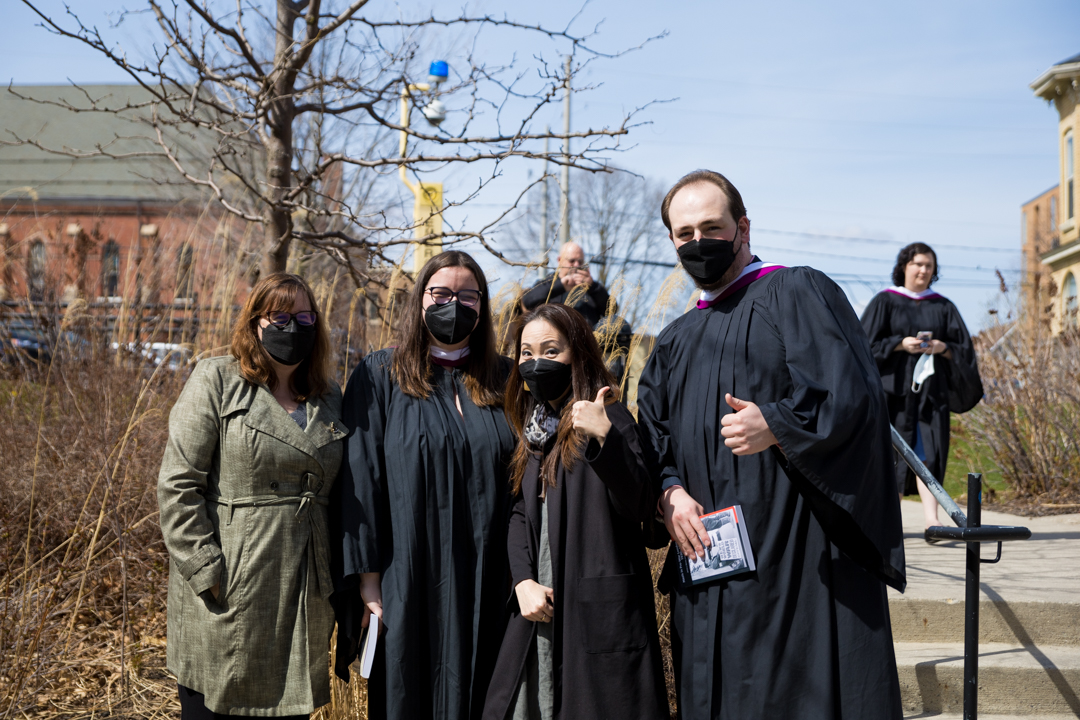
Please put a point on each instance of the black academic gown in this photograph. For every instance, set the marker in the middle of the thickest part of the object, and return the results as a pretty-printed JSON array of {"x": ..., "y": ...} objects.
[
  {"x": 606, "y": 649},
  {"x": 955, "y": 384},
  {"x": 423, "y": 498},
  {"x": 592, "y": 305},
  {"x": 807, "y": 635}
]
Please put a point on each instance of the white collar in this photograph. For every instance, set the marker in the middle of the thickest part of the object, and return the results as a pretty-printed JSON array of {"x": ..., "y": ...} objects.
[
  {"x": 901, "y": 290},
  {"x": 710, "y": 295},
  {"x": 448, "y": 354}
]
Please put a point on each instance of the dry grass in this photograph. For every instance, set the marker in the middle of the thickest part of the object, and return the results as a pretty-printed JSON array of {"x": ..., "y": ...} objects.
[
  {"x": 1029, "y": 419},
  {"x": 83, "y": 569}
]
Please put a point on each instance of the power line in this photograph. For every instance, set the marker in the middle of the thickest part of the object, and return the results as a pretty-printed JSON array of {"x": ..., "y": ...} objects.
[{"x": 881, "y": 241}]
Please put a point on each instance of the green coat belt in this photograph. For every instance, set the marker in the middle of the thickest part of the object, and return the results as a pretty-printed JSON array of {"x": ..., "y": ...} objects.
[{"x": 243, "y": 493}]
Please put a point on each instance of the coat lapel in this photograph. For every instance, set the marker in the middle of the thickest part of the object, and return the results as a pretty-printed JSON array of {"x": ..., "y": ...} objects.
[
  {"x": 267, "y": 416},
  {"x": 323, "y": 425}
]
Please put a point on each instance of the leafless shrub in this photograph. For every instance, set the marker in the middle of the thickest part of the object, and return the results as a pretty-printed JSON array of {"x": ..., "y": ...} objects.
[{"x": 1029, "y": 419}]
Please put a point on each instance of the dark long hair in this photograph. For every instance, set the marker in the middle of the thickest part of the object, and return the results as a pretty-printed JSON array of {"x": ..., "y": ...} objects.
[
  {"x": 277, "y": 293},
  {"x": 589, "y": 374},
  {"x": 411, "y": 365},
  {"x": 907, "y": 255}
]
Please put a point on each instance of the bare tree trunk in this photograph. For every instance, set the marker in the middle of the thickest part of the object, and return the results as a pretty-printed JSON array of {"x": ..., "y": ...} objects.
[{"x": 278, "y": 140}]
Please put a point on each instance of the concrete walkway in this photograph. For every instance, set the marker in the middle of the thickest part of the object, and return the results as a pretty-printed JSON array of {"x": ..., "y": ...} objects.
[
  {"x": 1029, "y": 625},
  {"x": 1045, "y": 568}
]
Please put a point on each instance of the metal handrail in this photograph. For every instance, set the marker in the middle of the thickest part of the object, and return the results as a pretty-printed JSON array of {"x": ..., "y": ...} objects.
[{"x": 973, "y": 533}]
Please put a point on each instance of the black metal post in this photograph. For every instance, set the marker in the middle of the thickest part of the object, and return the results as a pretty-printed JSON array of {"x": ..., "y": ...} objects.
[{"x": 971, "y": 602}]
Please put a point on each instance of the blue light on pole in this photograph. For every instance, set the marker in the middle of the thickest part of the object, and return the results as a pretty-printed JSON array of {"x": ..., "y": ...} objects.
[{"x": 438, "y": 72}]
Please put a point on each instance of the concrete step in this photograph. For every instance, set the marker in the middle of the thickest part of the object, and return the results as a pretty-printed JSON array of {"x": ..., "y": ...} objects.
[
  {"x": 925, "y": 620},
  {"x": 984, "y": 716},
  {"x": 1015, "y": 680}
]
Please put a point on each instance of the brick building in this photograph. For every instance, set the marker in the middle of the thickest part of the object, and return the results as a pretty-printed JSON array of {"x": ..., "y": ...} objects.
[{"x": 108, "y": 229}]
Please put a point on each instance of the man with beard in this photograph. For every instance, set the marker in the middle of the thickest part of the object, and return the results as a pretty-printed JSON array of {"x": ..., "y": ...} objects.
[{"x": 766, "y": 395}]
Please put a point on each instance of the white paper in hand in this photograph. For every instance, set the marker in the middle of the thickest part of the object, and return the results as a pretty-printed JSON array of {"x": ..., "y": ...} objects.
[{"x": 367, "y": 646}]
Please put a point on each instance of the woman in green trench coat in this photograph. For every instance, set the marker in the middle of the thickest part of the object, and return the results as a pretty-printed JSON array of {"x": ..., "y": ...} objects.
[{"x": 254, "y": 448}]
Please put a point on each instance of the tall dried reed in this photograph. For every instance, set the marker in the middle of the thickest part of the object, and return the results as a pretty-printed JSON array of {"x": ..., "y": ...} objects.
[{"x": 1029, "y": 419}]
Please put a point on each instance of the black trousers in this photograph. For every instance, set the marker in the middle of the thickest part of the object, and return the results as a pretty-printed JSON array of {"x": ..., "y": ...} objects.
[{"x": 192, "y": 707}]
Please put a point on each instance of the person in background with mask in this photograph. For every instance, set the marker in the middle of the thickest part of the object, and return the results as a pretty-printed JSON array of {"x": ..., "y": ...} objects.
[
  {"x": 927, "y": 363},
  {"x": 766, "y": 395},
  {"x": 253, "y": 451},
  {"x": 422, "y": 503},
  {"x": 582, "y": 639},
  {"x": 557, "y": 287}
]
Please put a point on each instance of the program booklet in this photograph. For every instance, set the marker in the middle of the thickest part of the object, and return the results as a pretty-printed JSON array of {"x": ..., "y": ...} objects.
[
  {"x": 728, "y": 555},
  {"x": 367, "y": 646}
]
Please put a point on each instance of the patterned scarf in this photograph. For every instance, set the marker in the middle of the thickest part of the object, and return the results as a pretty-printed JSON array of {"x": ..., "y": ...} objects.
[{"x": 542, "y": 425}]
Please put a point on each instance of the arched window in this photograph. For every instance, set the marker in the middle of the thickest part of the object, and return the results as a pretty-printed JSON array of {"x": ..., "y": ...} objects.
[
  {"x": 110, "y": 269},
  {"x": 1069, "y": 160},
  {"x": 185, "y": 272},
  {"x": 1068, "y": 300},
  {"x": 35, "y": 270}
]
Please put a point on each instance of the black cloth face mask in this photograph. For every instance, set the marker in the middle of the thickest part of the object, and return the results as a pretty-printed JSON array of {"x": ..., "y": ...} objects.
[
  {"x": 289, "y": 345},
  {"x": 706, "y": 260},
  {"x": 450, "y": 323},
  {"x": 547, "y": 380}
]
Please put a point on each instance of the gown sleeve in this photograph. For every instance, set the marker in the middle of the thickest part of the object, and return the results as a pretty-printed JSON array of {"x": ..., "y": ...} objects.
[
  {"x": 620, "y": 465},
  {"x": 833, "y": 430},
  {"x": 358, "y": 509},
  {"x": 654, "y": 417},
  {"x": 965, "y": 385},
  {"x": 877, "y": 322},
  {"x": 522, "y": 562}
]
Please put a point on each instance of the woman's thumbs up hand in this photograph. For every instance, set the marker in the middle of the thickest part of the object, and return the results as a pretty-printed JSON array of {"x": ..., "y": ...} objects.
[{"x": 590, "y": 417}]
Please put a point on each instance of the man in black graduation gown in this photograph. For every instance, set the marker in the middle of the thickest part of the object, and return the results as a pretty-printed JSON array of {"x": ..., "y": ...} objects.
[{"x": 766, "y": 395}]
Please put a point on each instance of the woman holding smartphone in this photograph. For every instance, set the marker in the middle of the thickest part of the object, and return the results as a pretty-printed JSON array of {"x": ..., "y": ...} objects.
[
  {"x": 907, "y": 323},
  {"x": 581, "y": 640}
]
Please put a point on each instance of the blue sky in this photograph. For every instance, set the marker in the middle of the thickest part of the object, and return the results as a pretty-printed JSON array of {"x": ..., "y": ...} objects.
[{"x": 886, "y": 122}]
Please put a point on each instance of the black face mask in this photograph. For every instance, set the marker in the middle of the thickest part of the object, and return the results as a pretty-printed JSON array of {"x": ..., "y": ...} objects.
[
  {"x": 289, "y": 345},
  {"x": 707, "y": 259},
  {"x": 450, "y": 323},
  {"x": 547, "y": 380}
]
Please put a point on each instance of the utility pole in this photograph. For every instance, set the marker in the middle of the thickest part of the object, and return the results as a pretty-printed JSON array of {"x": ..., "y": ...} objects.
[
  {"x": 544, "y": 208},
  {"x": 564, "y": 209}
]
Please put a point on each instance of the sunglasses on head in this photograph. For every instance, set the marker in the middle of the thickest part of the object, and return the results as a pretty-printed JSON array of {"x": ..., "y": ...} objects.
[{"x": 280, "y": 318}]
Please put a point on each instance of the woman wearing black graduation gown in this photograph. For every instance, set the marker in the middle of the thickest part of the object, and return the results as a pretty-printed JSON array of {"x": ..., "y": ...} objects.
[
  {"x": 582, "y": 639},
  {"x": 423, "y": 502},
  {"x": 893, "y": 321}
]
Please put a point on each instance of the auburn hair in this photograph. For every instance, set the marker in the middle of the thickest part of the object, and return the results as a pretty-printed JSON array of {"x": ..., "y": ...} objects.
[
  {"x": 278, "y": 293},
  {"x": 588, "y": 375},
  {"x": 411, "y": 363}
]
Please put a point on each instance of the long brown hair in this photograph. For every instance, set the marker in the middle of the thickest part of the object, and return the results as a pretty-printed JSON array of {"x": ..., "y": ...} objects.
[
  {"x": 277, "y": 293},
  {"x": 588, "y": 376},
  {"x": 411, "y": 364}
]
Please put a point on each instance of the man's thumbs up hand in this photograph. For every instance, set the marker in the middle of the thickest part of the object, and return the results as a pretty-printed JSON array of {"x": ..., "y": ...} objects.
[
  {"x": 590, "y": 416},
  {"x": 745, "y": 431}
]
